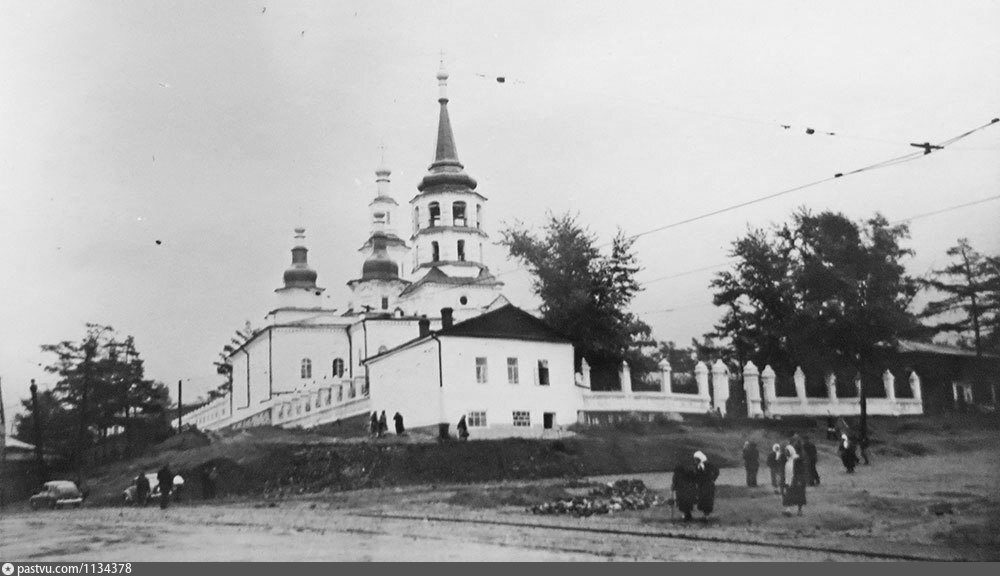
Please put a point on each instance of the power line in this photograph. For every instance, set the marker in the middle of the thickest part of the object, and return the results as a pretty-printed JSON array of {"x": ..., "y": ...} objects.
[{"x": 948, "y": 209}]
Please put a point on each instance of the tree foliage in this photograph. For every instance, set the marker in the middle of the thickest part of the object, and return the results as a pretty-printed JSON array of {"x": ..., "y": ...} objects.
[
  {"x": 586, "y": 294},
  {"x": 224, "y": 364},
  {"x": 101, "y": 384},
  {"x": 819, "y": 290},
  {"x": 970, "y": 286}
]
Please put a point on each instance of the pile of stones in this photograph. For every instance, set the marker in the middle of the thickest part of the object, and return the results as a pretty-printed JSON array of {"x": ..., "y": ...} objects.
[{"x": 613, "y": 497}]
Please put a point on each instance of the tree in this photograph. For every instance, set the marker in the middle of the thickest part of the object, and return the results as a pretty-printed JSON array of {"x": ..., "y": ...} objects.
[
  {"x": 585, "y": 295},
  {"x": 57, "y": 424},
  {"x": 971, "y": 288},
  {"x": 818, "y": 291},
  {"x": 101, "y": 385},
  {"x": 224, "y": 365}
]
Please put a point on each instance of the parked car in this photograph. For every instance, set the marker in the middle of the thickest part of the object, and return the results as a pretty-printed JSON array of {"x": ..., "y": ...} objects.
[
  {"x": 128, "y": 494},
  {"x": 56, "y": 494}
]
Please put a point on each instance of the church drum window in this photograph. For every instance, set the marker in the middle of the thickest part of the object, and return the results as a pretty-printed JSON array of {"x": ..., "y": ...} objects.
[
  {"x": 461, "y": 250},
  {"x": 435, "y": 251},
  {"x": 416, "y": 219},
  {"x": 338, "y": 368},
  {"x": 307, "y": 369},
  {"x": 479, "y": 215},
  {"x": 435, "y": 213},
  {"x": 458, "y": 214}
]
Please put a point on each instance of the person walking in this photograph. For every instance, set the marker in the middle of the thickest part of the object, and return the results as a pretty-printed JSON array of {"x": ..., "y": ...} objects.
[
  {"x": 141, "y": 488},
  {"x": 751, "y": 461},
  {"x": 373, "y": 425},
  {"x": 383, "y": 425},
  {"x": 705, "y": 474},
  {"x": 794, "y": 493},
  {"x": 209, "y": 477},
  {"x": 776, "y": 464},
  {"x": 847, "y": 455},
  {"x": 398, "y": 421},
  {"x": 685, "y": 490},
  {"x": 811, "y": 458},
  {"x": 463, "y": 428},
  {"x": 166, "y": 484},
  {"x": 863, "y": 444}
]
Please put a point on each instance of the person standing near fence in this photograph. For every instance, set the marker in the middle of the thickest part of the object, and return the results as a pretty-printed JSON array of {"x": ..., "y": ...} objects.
[
  {"x": 705, "y": 475},
  {"x": 811, "y": 457},
  {"x": 776, "y": 464},
  {"x": 751, "y": 461},
  {"x": 165, "y": 478},
  {"x": 794, "y": 493},
  {"x": 847, "y": 455}
]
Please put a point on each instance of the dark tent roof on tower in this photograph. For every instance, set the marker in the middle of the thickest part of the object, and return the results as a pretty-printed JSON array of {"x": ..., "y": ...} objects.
[{"x": 446, "y": 171}]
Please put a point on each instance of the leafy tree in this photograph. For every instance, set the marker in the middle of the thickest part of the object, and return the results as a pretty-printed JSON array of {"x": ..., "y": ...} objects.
[
  {"x": 585, "y": 294},
  {"x": 224, "y": 365},
  {"x": 101, "y": 384},
  {"x": 818, "y": 291},
  {"x": 57, "y": 424},
  {"x": 971, "y": 289}
]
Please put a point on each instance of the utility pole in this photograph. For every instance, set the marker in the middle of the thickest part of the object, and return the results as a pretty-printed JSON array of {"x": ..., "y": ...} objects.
[
  {"x": 180, "y": 404},
  {"x": 88, "y": 357},
  {"x": 3, "y": 450},
  {"x": 36, "y": 415}
]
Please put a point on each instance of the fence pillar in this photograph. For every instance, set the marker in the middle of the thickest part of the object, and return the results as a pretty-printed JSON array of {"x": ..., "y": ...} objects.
[
  {"x": 889, "y": 381},
  {"x": 720, "y": 385},
  {"x": 767, "y": 378},
  {"x": 585, "y": 373},
  {"x": 665, "y": 376},
  {"x": 800, "y": 384},
  {"x": 915, "y": 387},
  {"x": 751, "y": 385},
  {"x": 625, "y": 376},
  {"x": 831, "y": 387},
  {"x": 701, "y": 377}
]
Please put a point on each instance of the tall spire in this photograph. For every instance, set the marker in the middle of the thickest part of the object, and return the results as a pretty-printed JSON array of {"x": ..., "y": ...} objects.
[{"x": 446, "y": 168}]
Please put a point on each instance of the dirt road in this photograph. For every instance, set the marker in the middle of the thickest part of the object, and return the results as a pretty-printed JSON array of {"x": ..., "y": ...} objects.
[{"x": 943, "y": 506}]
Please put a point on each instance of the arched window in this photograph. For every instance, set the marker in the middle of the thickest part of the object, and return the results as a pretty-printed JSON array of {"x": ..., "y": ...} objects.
[
  {"x": 338, "y": 367},
  {"x": 435, "y": 251},
  {"x": 479, "y": 215},
  {"x": 458, "y": 214},
  {"x": 435, "y": 213},
  {"x": 481, "y": 252},
  {"x": 307, "y": 368},
  {"x": 388, "y": 217},
  {"x": 416, "y": 219},
  {"x": 461, "y": 250}
]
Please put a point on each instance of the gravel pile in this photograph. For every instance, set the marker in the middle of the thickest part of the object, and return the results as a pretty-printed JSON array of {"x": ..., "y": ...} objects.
[{"x": 614, "y": 497}]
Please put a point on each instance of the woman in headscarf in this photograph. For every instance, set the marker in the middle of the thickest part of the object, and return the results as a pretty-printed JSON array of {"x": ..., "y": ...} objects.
[
  {"x": 795, "y": 482},
  {"x": 847, "y": 454},
  {"x": 751, "y": 461},
  {"x": 705, "y": 474},
  {"x": 776, "y": 464}
]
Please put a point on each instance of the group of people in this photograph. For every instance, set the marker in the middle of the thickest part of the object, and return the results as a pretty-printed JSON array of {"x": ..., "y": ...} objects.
[
  {"x": 167, "y": 483},
  {"x": 694, "y": 486},
  {"x": 379, "y": 425},
  {"x": 792, "y": 468}
]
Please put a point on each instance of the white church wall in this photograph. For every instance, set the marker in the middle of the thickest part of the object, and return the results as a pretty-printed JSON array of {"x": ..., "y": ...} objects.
[
  {"x": 407, "y": 382},
  {"x": 291, "y": 345},
  {"x": 499, "y": 398},
  {"x": 430, "y": 299}
]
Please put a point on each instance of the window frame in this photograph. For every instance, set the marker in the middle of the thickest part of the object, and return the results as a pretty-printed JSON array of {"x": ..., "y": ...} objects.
[
  {"x": 525, "y": 418},
  {"x": 513, "y": 377},
  {"x": 305, "y": 369},
  {"x": 476, "y": 419},
  {"x": 542, "y": 367},
  {"x": 482, "y": 370}
]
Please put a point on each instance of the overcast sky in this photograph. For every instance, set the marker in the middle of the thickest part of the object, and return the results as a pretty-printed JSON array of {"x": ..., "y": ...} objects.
[{"x": 217, "y": 127}]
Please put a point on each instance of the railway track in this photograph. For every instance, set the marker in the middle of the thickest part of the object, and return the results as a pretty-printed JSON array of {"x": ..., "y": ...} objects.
[{"x": 663, "y": 536}]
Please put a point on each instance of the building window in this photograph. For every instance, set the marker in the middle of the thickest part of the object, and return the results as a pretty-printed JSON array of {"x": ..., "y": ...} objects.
[
  {"x": 461, "y": 250},
  {"x": 463, "y": 300},
  {"x": 388, "y": 217},
  {"x": 385, "y": 303},
  {"x": 479, "y": 215},
  {"x": 476, "y": 419},
  {"x": 512, "y": 371},
  {"x": 543, "y": 372},
  {"x": 481, "y": 373},
  {"x": 307, "y": 368},
  {"x": 435, "y": 212},
  {"x": 458, "y": 214},
  {"x": 338, "y": 367},
  {"x": 416, "y": 219},
  {"x": 522, "y": 418},
  {"x": 435, "y": 251},
  {"x": 340, "y": 393},
  {"x": 481, "y": 252}
]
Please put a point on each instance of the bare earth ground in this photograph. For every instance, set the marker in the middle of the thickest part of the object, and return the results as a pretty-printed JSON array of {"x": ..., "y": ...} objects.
[{"x": 944, "y": 505}]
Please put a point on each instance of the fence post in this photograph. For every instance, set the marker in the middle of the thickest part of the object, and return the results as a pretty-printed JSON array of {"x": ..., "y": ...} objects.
[
  {"x": 889, "y": 381},
  {"x": 625, "y": 377},
  {"x": 665, "y": 376},
  {"x": 720, "y": 385},
  {"x": 831, "y": 387},
  {"x": 767, "y": 377},
  {"x": 701, "y": 377},
  {"x": 800, "y": 384},
  {"x": 915, "y": 386},
  {"x": 751, "y": 385}
]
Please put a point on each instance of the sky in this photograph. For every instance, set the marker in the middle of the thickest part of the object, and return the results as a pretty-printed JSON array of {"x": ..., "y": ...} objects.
[{"x": 155, "y": 156}]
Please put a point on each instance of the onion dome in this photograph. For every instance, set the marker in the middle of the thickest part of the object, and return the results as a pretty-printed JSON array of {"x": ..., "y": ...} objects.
[
  {"x": 300, "y": 275},
  {"x": 379, "y": 266},
  {"x": 446, "y": 170}
]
